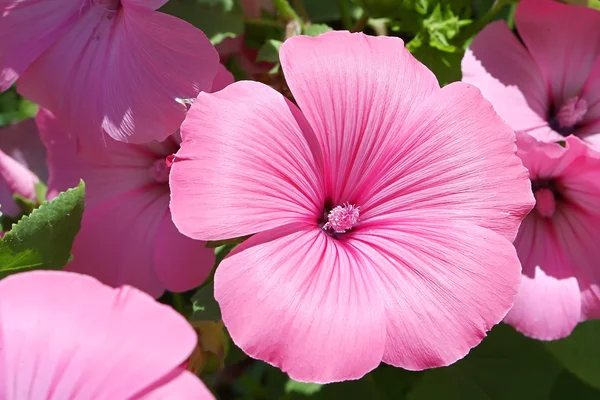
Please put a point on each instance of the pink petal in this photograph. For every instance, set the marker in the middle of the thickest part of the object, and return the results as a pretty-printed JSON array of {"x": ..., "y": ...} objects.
[
  {"x": 223, "y": 78},
  {"x": 548, "y": 305},
  {"x": 248, "y": 162},
  {"x": 444, "y": 284},
  {"x": 81, "y": 339},
  {"x": 148, "y": 4},
  {"x": 556, "y": 43},
  {"x": 27, "y": 29},
  {"x": 303, "y": 302},
  {"x": 108, "y": 70},
  {"x": 455, "y": 159},
  {"x": 116, "y": 240},
  {"x": 499, "y": 65},
  {"x": 22, "y": 142},
  {"x": 356, "y": 92},
  {"x": 182, "y": 385},
  {"x": 180, "y": 262},
  {"x": 15, "y": 178}
]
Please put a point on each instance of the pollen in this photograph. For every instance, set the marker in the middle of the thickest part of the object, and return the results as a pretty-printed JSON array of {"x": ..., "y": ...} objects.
[{"x": 342, "y": 218}]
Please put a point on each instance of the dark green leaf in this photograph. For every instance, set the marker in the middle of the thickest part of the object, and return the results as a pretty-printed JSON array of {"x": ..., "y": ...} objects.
[
  {"x": 568, "y": 386},
  {"x": 580, "y": 352},
  {"x": 25, "y": 205},
  {"x": 43, "y": 239},
  {"x": 205, "y": 307},
  {"x": 269, "y": 52},
  {"x": 505, "y": 366}
]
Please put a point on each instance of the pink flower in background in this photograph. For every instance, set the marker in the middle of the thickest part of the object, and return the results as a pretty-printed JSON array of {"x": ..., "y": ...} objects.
[
  {"x": 117, "y": 64},
  {"x": 383, "y": 212},
  {"x": 558, "y": 241},
  {"x": 127, "y": 236},
  {"x": 67, "y": 336},
  {"x": 22, "y": 164},
  {"x": 549, "y": 85}
]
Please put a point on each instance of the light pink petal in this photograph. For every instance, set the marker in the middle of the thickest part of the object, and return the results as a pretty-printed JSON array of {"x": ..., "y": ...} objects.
[
  {"x": 181, "y": 263},
  {"x": 109, "y": 71},
  {"x": 555, "y": 42},
  {"x": 248, "y": 162},
  {"x": 22, "y": 142},
  {"x": 15, "y": 178},
  {"x": 444, "y": 284},
  {"x": 82, "y": 339},
  {"x": 182, "y": 385},
  {"x": 455, "y": 159},
  {"x": 27, "y": 29},
  {"x": 303, "y": 302},
  {"x": 117, "y": 238},
  {"x": 498, "y": 64},
  {"x": 591, "y": 93},
  {"x": 223, "y": 78},
  {"x": 356, "y": 92},
  {"x": 548, "y": 305}
]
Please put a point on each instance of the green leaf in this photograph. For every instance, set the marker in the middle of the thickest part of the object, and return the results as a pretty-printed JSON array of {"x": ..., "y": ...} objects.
[
  {"x": 396, "y": 383},
  {"x": 219, "y": 243},
  {"x": 307, "y": 389},
  {"x": 327, "y": 10},
  {"x": 43, "y": 239},
  {"x": 25, "y": 205},
  {"x": 41, "y": 191},
  {"x": 218, "y": 19},
  {"x": 568, "y": 386},
  {"x": 506, "y": 365},
  {"x": 205, "y": 307},
  {"x": 445, "y": 66},
  {"x": 317, "y": 29},
  {"x": 580, "y": 352},
  {"x": 269, "y": 52}
]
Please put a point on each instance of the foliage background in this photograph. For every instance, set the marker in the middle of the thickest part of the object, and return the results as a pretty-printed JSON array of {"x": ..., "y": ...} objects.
[{"x": 505, "y": 366}]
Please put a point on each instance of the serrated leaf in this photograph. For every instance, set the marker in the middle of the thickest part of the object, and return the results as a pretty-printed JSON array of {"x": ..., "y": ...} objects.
[
  {"x": 269, "y": 52},
  {"x": 317, "y": 29},
  {"x": 506, "y": 365},
  {"x": 43, "y": 239},
  {"x": 580, "y": 352}
]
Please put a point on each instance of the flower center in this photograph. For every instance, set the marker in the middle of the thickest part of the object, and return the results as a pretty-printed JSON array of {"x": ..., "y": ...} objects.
[
  {"x": 160, "y": 170},
  {"x": 546, "y": 194},
  {"x": 342, "y": 218},
  {"x": 569, "y": 115}
]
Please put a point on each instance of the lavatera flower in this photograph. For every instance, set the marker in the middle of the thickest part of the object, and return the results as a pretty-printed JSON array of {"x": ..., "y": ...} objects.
[
  {"x": 115, "y": 64},
  {"x": 546, "y": 84},
  {"x": 67, "y": 336},
  {"x": 126, "y": 236},
  {"x": 382, "y": 210}
]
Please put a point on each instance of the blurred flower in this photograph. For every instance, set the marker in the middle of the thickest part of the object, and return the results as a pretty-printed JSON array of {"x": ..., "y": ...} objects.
[
  {"x": 558, "y": 241},
  {"x": 127, "y": 236},
  {"x": 383, "y": 212},
  {"x": 66, "y": 335},
  {"x": 22, "y": 164},
  {"x": 546, "y": 82},
  {"x": 115, "y": 64}
]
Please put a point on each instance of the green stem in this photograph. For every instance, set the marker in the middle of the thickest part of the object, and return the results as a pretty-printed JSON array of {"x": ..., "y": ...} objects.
[
  {"x": 178, "y": 302},
  {"x": 346, "y": 19},
  {"x": 287, "y": 12}
]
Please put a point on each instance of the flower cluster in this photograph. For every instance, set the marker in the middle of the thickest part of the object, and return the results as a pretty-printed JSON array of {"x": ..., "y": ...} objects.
[{"x": 388, "y": 218}]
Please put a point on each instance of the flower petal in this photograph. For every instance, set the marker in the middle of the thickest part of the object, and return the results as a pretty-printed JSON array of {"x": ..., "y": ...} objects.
[
  {"x": 356, "y": 92},
  {"x": 248, "y": 162},
  {"x": 108, "y": 71},
  {"x": 15, "y": 178},
  {"x": 455, "y": 159},
  {"x": 223, "y": 78},
  {"x": 444, "y": 284},
  {"x": 181, "y": 263},
  {"x": 304, "y": 302},
  {"x": 556, "y": 43},
  {"x": 498, "y": 64},
  {"x": 548, "y": 305},
  {"x": 80, "y": 335},
  {"x": 22, "y": 142},
  {"x": 116, "y": 240},
  {"x": 27, "y": 29},
  {"x": 181, "y": 385}
]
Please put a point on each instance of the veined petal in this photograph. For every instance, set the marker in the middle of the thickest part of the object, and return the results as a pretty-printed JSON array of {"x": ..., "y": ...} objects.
[
  {"x": 304, "y": 302},
  {"x": 356, "y": 92},
  {"x": 248, "y": 162}
]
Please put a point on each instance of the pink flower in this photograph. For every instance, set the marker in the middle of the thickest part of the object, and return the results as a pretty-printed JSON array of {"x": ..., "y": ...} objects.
[
  {"x": 127, "y": 236},
  {"x": 558, "y": 241},
  {"x": 383, "y": 210},
  {"x": 548, "y": 85},
  {"x": 115, "y": 64},
  {"x": 22, "y": 164},
  {"x": 67, "y": 336}
]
